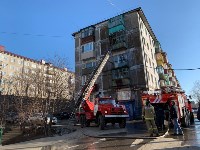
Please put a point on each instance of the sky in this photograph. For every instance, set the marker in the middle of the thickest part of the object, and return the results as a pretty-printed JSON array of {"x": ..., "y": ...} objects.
[{"x": 39, "y": 29}]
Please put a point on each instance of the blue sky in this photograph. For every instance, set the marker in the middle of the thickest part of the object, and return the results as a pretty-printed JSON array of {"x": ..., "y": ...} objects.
[{"x": 40, "y": 28}]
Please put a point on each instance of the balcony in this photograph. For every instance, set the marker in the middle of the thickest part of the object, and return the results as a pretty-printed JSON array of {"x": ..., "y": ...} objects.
[
  {"x": 120, "y": 83},
  {"x": 162, "y": 76},
  {"x": 122, "y": 64},
  {"x": 88, "y": 39},
  {"x": 119, "y": 46},
  {"x": 162, "y": 83},
  {"x": 116, "y": 24},
  {"x": 87, "y": 71},
  {"x": 157, "y": 47},
  {"x": 120, "y": 73},
  {"x": 50, "y": 72},
  {"x": 116, "y": 29},
  {"x": 87, "y": 55}
]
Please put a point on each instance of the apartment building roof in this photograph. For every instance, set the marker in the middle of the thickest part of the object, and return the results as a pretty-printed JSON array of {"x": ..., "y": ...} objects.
[
  {"x": 140, "y": 12},
  {"x": 3, "y": 50}
]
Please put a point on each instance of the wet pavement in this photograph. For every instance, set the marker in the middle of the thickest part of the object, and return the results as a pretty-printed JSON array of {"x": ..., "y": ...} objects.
[
  {"x": 190, "y": 140},
  {"x": 191, "y": 135},
  {"x": 92, "y": 138}
]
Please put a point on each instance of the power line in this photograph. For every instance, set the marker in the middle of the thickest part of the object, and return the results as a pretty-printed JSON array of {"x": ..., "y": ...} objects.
[
  {"x": 188, "y": 69},
  {"x": 29, "y": 34}
]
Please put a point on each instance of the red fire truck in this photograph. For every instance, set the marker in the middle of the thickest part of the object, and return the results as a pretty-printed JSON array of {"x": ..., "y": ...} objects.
[
  {"x": 160, "y": 98},
  {"x": 102, "y": 110}
]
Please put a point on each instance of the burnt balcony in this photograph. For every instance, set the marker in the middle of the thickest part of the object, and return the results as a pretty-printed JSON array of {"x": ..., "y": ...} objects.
[
  {"x": 121, "y": 83},
  {"x": 120, "y": 73},
  {"x": 121, "y": 64},
  {"x": 119, "y": 46}
]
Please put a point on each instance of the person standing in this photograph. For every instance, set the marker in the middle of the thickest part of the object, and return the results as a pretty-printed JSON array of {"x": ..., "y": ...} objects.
[
  {"x": 174, "y": 117},
  {"x": 148, "y": 115},
  {"x": 159, "y": 117}
]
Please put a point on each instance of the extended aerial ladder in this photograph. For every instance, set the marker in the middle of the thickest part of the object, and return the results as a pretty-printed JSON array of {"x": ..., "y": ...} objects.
[{"x": 86, "y": 90}]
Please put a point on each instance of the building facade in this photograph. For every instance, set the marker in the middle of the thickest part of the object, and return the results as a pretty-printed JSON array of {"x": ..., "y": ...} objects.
[
  {"x": 132, "y": 66},
  {"x": 22, "y": 76}
]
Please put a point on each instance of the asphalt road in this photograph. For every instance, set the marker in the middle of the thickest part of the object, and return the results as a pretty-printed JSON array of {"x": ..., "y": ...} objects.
[{"x": 190, "y": 140}]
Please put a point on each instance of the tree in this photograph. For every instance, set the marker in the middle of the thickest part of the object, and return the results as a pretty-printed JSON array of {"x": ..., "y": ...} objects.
[{"x": 196, "y": 91}]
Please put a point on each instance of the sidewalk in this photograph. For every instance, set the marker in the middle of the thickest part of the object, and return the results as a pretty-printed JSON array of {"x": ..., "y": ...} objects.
[{"x": 135, "y": 129}]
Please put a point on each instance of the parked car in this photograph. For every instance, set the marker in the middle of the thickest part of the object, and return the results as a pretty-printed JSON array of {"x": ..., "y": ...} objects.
[
  {"x": 36, "y": 119},
  {"x": 63, "y": 115},
  {"x": 54, "y": 119}
]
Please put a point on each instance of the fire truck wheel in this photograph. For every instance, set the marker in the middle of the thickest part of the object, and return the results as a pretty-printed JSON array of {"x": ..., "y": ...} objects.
[
  {"x": 186, "y": 121},
  {"x": 82, "y": 121},
  {"x": 122, "y": 123},
  {"x": 101, "y": 122}
]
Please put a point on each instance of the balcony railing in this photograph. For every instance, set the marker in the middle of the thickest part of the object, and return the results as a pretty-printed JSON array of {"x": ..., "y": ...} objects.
[
  {"x": 86, "y": 55},
  {"x": 121, "y": 45},
  {"x": 86, "y": 71},
  {"x": 122, "y": 64},
  {"x": 120, "y": 83}
]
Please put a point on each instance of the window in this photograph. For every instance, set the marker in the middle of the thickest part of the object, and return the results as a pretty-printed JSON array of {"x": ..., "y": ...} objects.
[
  {"x": 12, "y": 60},
  {"x": 149, "y": 62},
  {"x": 3, "y": 73},
  {"x": 12, "y": 67},
  {"x": 152, "y": 53},
  {"x": 116, "y": 21},
  {"x": 90, "y": 65},
  {"x": 83, "y": 79},
  {"x": 152, "y": 78},
  {"x": 20, "y": 62},
  {"x": 87, "y": 47},
  {"x": 34, "y": 65},
  {"x": 26, "y": 63},
  {"x": 87, "y": 32},
  {"x": 122, "y": 58},
  {"x": 141, "y": 25},
  {"x": 146, "y": 31},
  {"x": 4, "y": 65},
  {"x": 11, "y": 74},
  {"x": 118, "y": 39},
  {"x": 120, "y": 73},
  {"x": 26, "y": 70},
  {"x": 143, "y": 40},
  {"x": 147, "y": 46},
  {"x": 147, "y": 75},
  {"x": 5, "y": 58}
]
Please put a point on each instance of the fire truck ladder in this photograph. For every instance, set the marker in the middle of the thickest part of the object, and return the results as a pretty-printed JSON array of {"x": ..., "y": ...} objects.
[{"x": 84, "y": 93}]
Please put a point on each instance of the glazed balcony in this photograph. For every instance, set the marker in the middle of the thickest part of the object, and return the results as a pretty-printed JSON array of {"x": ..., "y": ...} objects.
[{"x": 87, "y": 55}]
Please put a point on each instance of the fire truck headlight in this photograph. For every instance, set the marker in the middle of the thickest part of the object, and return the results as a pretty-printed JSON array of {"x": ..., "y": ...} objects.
[
  {"x": 106, "y": 112},
  {"x": 124, "y": 111}
]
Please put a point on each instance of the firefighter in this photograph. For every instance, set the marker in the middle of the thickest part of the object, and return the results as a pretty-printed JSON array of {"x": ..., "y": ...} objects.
[
  {"x": 174, "y": 117},
  {"x": 148, "y": 115},
  {"x": 159, "y": 117}
]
